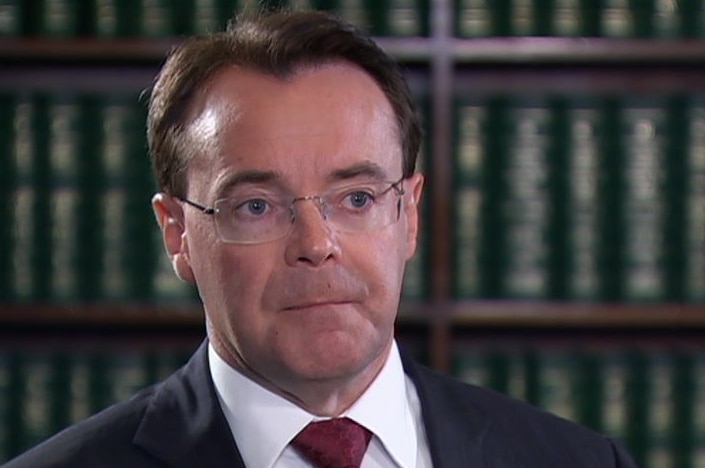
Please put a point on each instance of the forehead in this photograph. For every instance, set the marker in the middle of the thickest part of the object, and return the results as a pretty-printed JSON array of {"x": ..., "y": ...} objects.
[{"x": 321, "y": 120}]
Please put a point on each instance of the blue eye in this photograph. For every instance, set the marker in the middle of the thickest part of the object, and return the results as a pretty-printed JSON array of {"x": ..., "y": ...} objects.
[
  {"x": 359, "y": 199},
  {"x": 258, "y": 206}
]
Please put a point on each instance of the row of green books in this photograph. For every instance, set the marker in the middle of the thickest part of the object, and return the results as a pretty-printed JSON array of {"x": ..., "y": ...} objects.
[
  {"x": 473, "y": 18},
  {"x": 607, "y": 18},
  {"x": 555, "y": 197},
  {"x": 651, "y": 398},
  {"x": 593, "y": 197},
  {"x": 150, "y": 18},
  {"x": 75, "y": 190},
  {"x": 44, "y": 389}
]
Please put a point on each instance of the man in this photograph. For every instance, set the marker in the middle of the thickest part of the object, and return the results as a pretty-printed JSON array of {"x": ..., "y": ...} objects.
[{"x": 284, "y": 150}]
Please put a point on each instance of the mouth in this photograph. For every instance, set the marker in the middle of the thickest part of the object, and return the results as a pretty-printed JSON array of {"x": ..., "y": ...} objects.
[{"x": 315, "y": 305}]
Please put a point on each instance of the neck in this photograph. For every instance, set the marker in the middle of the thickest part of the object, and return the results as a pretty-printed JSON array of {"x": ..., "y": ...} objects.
[{"x": 323, "y": 397}]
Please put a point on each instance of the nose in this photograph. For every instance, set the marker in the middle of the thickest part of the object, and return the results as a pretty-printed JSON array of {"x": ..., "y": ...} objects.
[{"x": 312, "y": 242}]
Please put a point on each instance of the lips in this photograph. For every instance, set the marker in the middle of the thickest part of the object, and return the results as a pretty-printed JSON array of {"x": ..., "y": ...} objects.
[
  {"x": 296, "y": 290},
  {"x": 314, "y": 304}
]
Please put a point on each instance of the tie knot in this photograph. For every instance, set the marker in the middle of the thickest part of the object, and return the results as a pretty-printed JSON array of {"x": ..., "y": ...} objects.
[{"x": 334, "y": 443}]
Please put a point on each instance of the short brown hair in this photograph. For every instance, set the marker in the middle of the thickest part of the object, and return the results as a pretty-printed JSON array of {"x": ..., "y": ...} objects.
[{"x": 277, "y": 43}]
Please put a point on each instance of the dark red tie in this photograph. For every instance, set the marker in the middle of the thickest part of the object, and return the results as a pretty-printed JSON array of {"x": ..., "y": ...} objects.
[{"x": 335, "y": 443}]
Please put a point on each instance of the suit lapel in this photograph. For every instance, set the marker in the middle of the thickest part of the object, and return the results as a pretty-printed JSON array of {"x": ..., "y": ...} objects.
[
  {"x": 455, "y": 427},
  {"x": 184, "y": 425}
]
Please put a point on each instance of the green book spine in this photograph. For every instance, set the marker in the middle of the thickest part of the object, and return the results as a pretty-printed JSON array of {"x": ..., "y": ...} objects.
[
  {"x": 416, "y": 274},
  {"x": 5, "y": 395},
  {"x": 126, "y": 374},
  {"x": 525, "y": 17},
  {"x": 644, "y": 140},
  {"x": 474, "y": 18},
  {"x": 156, "y": 18},
  {"x": 661, "y": 414},
  {"x": 567, "y": 18},
  {"x": 357, "y": 12},
  {"x": 7, "y": 189},
  {"x": 113, "y": 18},
  {"x": 60, "y": 18},
  {"x": 583, "y": 172},
  {"x": 37, "y": 387},
  {"x": 614, "y": 376},
  {"x": 525, "y": 205},
  {"x": 65, "y": 197},
  {"x": 398, "y": 17},
  {"x": 27, "y": 213},
  {"x": 15, "y": 397},
  {"x": 695, "y": 205},
  {"x": 470, "y": 156},
  {"x": 469, "y": 364},
  {"x": 208, "y": 17},
  {"x": 617, "y": 19},
  {"x": 115, "y": 151},
  {"x": 407, "y": 17},
  {"x": 668, "y": 19},
  {"x": 697, "y": 410},
  {"x": 10, "y": 18},
  {"x": 557, "y": 383},
  {"x": 79, "y": 380}
]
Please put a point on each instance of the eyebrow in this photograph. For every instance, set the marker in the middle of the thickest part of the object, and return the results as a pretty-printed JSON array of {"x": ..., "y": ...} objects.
[
  {"x": 366, "y": 169},
  {"x": 247, "y": 177},
  {"x": 234, "y": 179}
]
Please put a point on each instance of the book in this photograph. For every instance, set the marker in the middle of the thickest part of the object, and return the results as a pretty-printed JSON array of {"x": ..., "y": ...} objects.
[
  {"x": 644, "y": 202},
  {"x": 474, "y": 18},
  {"x": 64, "y": 133},
  {"x": 694, "y": 268},
  {"x": 617, "y": 19},
  {"x": 582, "y": 227},
  {"x": 60, "y": 18},
  {"x": 10, "y": 18},
  {"x": 470, "y": 155},
  {"x": 525, "y": 203},
  {"x": 25, "y": 210}
]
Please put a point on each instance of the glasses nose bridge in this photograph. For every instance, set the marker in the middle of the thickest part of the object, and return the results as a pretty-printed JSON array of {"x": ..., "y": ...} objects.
[{"x": 318, "y": 200}]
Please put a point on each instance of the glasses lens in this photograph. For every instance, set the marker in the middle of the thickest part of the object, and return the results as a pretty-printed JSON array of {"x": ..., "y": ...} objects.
[{"x": 356, "y": 208}]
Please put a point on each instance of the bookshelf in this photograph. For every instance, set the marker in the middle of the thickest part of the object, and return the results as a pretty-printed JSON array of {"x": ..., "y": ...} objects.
[
  {"x": 445, "y": 65},
  {"x": 449, "y": 73}
]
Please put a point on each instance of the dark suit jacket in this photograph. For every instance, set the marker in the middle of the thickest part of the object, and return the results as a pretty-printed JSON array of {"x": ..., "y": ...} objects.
[{"x": 179, "y": 423}]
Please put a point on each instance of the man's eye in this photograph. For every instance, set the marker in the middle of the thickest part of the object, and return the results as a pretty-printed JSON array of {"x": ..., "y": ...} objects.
[
  {"x": 256, "y": 206},
  {"x": 360, "y": 199}
]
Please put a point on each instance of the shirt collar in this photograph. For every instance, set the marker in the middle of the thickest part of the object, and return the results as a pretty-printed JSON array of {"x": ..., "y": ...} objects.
[{"x": 263, "y": 423}]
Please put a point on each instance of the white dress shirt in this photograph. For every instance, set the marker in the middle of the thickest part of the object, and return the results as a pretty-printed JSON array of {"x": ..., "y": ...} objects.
[{"x": 263, "y": 423}]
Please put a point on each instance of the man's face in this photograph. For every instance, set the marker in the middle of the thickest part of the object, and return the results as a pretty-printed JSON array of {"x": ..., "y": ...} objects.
[{"x": 318, "y": 304}]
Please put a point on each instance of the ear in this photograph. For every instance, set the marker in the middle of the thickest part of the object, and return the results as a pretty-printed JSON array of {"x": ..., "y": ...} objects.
[
  {"x": 170, "y": 217},
  {"x": 412, "y": 198}
]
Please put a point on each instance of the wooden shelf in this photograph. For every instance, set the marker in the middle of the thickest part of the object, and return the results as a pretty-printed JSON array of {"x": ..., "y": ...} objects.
[
  {"x": 472, "y": 314},
  {"x": 154, "y": 50},
  {"x": 539, "y": 314},
  {"x": 573, "y": 51},
  {"x": 499, "y": 50}
]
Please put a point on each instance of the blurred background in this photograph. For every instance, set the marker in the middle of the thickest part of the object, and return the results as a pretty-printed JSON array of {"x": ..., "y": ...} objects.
[{"x": 563, "y": 242}]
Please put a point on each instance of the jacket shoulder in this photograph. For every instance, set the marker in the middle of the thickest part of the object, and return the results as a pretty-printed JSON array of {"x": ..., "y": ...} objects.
[{"x": 511, "y": 430}]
